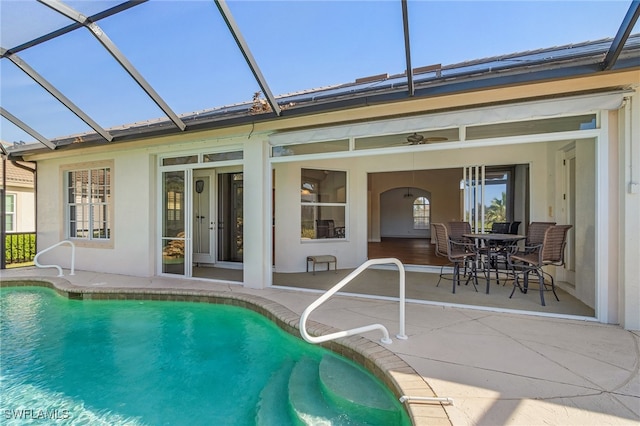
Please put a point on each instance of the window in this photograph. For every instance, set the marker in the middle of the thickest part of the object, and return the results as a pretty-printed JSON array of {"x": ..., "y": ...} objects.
[
  {"x": 498, "y": 200},
  {"x": 10, "y": 212},
  {"x": 174, "y": 205},
  {"x": 88, "y": 204},
  {"x": 530, "y": 127},
  {"x": 323, "y": 199},
  {"x": 421, "y": 213}
]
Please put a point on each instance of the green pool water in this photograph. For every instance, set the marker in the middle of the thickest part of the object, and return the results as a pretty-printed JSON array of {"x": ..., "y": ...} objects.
[{"x": 164, "y": 363}]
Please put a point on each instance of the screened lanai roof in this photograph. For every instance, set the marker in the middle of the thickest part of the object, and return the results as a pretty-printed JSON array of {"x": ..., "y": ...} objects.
[{"x": 107, "y": 71}]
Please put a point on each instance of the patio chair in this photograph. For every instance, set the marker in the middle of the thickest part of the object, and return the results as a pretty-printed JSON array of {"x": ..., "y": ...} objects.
[
  {"x": 500, "y": 227},
  {"x": 534, "y": 258},
  {"x": 441, "y": 250},
  {"x": 459, "y": 253},
  {"x": 325, "y": 228},
  {"x": 513, "y": 228},
  {"x": 535, "y": 232},
  {"x": 535, "y": 237},
  {"x": 456, "y": 230}
]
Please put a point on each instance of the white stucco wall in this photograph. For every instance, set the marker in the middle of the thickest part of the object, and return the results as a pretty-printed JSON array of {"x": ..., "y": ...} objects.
[{"x": 133, "y": 186}]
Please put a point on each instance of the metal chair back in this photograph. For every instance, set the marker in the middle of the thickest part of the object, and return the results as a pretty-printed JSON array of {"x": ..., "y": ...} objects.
[
  {"x": 442, "y": 239},
  {"x": 456, "y": 230},
  {"x": 555, "y": 241},
  {"x": 536, "y": 231},
  {"x": 513, "y": 227},
  {"x": 500, "y": 227}
]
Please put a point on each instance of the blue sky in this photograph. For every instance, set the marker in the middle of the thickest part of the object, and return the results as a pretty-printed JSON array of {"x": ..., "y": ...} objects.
[{"x": 186, "y": 53}]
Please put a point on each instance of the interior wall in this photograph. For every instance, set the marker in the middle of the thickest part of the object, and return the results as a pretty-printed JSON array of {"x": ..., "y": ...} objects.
[
  {"x": 396, "y": 213},
  {"x": 442, "y": 184}
]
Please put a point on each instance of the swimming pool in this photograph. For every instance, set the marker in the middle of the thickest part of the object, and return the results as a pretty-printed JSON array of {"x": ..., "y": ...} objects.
[{"x": 153, "y": 362}]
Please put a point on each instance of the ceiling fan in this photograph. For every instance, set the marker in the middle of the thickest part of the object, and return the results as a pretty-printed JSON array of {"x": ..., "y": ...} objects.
[{"x": 417, "y": 139}]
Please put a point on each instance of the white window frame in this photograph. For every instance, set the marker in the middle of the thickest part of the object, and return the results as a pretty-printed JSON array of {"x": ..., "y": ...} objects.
[
  {"x": 427, "y": 225},
  {"x": 341, "y": 231},
  {"x": 107, "y": 205},
  {"x": 10, "y": 214}
]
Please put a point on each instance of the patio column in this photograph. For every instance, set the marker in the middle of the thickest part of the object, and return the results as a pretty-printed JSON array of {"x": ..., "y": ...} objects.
[{"x": 257, "y": 214}]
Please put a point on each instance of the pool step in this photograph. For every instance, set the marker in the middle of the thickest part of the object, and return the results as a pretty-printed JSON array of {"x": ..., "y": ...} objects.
[
  {"x": 331, "y": 392},
  {"x": 308, "y": 403},
  {"x": 273, "y": 407},
  {"x": 352, "y": 390}
]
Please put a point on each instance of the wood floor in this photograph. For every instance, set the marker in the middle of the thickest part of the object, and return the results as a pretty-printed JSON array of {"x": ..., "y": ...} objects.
[{"x": 411, "y": 251}]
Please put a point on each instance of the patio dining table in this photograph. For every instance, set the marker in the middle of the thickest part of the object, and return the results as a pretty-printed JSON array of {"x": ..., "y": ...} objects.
[{"x": 492, "y": 246}]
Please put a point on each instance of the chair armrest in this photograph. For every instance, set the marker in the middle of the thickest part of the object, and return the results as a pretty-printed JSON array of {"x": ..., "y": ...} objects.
[
  {"x": 530, "y": 254},
  {"x": 532, "y": 249},
  {"x": 463, "y": 245}
]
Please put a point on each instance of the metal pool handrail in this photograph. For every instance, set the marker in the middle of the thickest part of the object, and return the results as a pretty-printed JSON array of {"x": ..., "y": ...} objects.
[
  {"x": 73, "y": 258},
  {"x": 346, "y": 280}
]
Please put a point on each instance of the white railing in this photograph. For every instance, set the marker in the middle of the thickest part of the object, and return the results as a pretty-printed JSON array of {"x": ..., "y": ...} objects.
[
  {"x": 73, "y": 258},
  {"x": 346, "y": 280}
]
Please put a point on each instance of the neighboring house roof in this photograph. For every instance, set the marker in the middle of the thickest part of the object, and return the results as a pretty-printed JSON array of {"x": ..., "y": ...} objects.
[
  {"x": 567, "y": 61},
  {"x": 18, "y": 176}
]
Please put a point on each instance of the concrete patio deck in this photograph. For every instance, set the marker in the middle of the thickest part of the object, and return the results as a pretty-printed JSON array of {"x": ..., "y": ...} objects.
[{"x": 499, "y": 368}]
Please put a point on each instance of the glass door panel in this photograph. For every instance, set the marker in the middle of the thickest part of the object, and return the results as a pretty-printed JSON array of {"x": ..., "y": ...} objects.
[
  {"x": 230, "y": 213},
  {"x": 473, "y": 182},
  {"x": 203, "y": 220},
  {"x": 173, "y": 223}
]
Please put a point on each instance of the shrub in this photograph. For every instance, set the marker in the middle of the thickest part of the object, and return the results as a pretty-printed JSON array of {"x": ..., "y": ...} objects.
[{"x": 20, "y": 247}]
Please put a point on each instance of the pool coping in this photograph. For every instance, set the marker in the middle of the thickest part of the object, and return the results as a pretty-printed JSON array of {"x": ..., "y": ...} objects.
[{"x": 393, "y": 371}]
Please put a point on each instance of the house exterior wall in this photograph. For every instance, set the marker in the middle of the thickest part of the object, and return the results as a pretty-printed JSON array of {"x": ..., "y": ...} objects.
[
  {"x": 133, "y": 225},
  {"x": 135, "y": 190}
]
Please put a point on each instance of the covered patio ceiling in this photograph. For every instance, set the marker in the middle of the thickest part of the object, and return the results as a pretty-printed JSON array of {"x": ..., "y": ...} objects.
[{"x": 106, "y": 71}]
